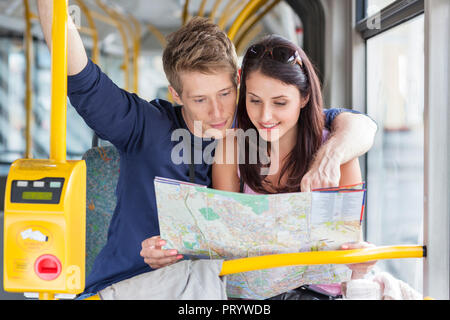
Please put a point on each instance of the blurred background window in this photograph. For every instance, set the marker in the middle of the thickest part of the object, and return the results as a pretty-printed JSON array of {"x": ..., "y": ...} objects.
[
  {"x": 395, "y": 164},
  {"x": 375, "y": 6}
]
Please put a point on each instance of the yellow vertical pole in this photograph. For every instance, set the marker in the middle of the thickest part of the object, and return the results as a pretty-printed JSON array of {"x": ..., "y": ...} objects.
[
  {"x": 46, "y": 296},
  {"x": 28, "y": 81},
  {"x": 58, "y": 116}
]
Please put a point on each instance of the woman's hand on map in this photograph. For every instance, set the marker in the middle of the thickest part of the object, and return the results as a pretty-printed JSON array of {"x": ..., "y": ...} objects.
[
  {"x": 359, "y": 270},
  {"x": 155, "y": 256}
]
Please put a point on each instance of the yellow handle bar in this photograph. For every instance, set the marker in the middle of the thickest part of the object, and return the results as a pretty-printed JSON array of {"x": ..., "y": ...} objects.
[
  {"x": 318, "y": 257},
  {"x": 322, "y": 257}
]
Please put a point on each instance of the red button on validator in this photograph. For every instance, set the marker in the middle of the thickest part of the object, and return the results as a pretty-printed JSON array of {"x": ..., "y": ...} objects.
[{"x": 47, "y": 267}]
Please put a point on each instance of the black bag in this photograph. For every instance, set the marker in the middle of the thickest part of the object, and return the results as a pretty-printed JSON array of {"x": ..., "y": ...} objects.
[{"x": 303, "y": 293}]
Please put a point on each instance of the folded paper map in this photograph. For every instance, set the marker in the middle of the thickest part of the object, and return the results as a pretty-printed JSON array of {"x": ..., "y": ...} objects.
[{"x": 205, "y": 223}]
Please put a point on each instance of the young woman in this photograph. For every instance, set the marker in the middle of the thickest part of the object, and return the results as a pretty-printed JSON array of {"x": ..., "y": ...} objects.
[{"x": 280, "y": 99}]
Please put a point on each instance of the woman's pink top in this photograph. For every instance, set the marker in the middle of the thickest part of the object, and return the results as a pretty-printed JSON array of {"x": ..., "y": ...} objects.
[{"x": 333, "y": 289}]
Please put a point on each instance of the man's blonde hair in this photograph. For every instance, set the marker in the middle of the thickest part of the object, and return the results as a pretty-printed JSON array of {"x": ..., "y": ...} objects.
[{"x": 199, "y": 46}]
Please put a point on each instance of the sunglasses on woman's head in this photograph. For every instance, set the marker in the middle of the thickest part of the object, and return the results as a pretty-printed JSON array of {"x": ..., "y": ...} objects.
[{"x": 280, "y": 53}]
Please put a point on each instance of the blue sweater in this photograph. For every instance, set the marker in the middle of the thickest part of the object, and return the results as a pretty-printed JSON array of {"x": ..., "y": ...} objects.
[{"x": 141, "y": 131}]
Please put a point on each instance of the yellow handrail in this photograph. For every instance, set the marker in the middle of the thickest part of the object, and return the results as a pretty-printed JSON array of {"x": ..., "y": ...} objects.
[
  {"x": 248, "y": 10},
  {"x": 136, "y": 51},
  {"x": 34, "y": 16},
  {"x": 131, "y": 35},
  {"x": 58, "y": 115},
  {"x": 119, "y": 20},
  {"x": 318, "y": 257},
  {"x": 101, "y": 17},
  {"x": 321, "y": 257},
  {"x": 247, "y": 38},
  {"x": 135, "y": 36},
  {"x": 126, "y": 58},
  {"x": 201, "y": 9},
  {"x": 93, "y": 31},
  {"x": 226, "y": 17},
  {"x": 255, "y": 21},
  {"x": 244, "y": 26},
  {"x": 162, "y": 40},
  {"x": 214, "y": 9},
  {"x": 185, "y": 16},
  {"x": 28, "y": 80},
  {"x": 225, "y": 13}
]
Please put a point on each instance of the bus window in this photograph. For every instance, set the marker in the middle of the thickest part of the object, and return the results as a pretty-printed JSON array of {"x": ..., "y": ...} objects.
[
  {"x": 375, "y": 6},
  {"x": 395, "y": 165},
  {"x": 12, "y": 111},
  {"x": 12, "y": 89}
]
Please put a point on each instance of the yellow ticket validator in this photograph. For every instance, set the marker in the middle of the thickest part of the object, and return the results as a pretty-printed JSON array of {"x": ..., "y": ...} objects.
[{"x": 45, "y": 227}]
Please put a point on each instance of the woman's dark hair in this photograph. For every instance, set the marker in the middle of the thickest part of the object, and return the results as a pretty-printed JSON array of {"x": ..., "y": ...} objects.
[{"x": 310, "y": 122}]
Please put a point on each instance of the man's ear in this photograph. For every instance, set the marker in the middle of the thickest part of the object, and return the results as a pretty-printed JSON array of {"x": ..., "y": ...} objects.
[{"x": 175, "y": 96}]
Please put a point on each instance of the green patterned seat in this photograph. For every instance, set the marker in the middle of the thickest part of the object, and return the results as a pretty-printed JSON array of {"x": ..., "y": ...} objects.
[{"x": 102, "y": 164}]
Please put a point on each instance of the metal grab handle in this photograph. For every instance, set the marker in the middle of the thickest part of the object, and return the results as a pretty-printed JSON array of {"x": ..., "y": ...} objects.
[{"x": 322, "y": 257}]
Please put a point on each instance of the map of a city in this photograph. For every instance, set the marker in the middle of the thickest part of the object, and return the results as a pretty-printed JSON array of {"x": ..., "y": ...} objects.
[{"x": 210, "y": 224}]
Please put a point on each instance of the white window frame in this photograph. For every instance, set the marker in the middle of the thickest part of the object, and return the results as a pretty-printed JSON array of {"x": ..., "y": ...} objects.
[
  {"x": 436, "y": 277},
  {"x": 437, "y": 150}
]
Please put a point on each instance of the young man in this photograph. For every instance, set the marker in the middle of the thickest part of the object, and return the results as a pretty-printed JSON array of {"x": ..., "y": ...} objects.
[{"x": 201, "y": 65}]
